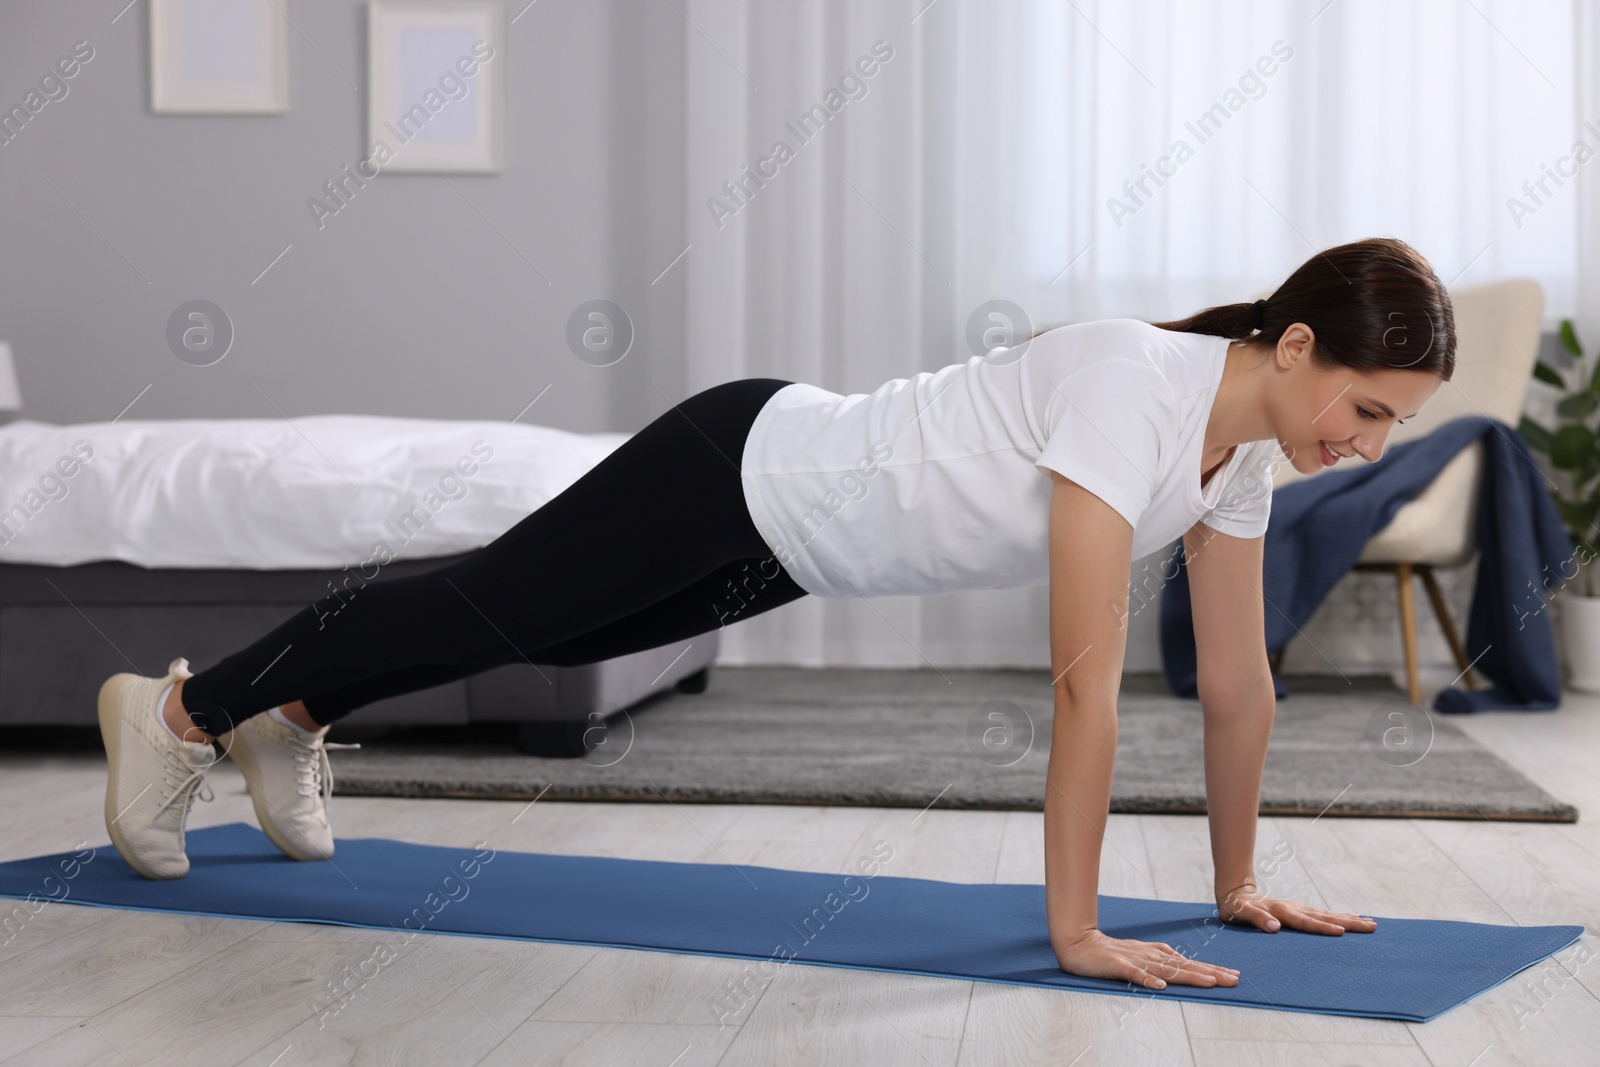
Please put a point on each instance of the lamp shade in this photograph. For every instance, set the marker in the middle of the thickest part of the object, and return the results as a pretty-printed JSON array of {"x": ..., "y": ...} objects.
[{"x": 10, "y": 394}]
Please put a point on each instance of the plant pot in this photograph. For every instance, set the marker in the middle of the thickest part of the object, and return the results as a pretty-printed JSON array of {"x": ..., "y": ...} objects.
[{"x": 1580, "y": 640}]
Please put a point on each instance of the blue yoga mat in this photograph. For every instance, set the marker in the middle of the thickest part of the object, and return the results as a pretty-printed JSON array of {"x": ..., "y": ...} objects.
[{"x": 1409, "y": 969}]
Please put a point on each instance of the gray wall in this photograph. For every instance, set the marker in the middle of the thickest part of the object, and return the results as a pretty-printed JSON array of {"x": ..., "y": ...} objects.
[{"x": 405, "y": 303}]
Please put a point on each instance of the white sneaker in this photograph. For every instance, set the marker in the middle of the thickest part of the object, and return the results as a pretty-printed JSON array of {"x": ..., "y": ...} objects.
[
  {"x": 290, "y": 782},
  {"x": 152, "y": 776}
]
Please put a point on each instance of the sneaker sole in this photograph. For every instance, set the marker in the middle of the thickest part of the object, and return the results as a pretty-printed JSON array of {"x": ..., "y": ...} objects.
[{"x": 110, "y": 713}]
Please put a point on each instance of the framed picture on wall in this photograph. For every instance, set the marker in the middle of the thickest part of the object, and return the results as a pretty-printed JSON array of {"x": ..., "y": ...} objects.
[
  {"x": 435, "y": 85},
  {"x": 218, "y": 57}
]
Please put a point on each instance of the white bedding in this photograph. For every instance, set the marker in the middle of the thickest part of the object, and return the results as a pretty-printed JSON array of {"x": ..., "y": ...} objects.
[{"x": 268, "y": 494}]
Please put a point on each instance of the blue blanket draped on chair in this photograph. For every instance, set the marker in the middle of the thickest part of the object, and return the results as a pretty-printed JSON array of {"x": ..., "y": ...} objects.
[{"x": 1321, "y": 525}]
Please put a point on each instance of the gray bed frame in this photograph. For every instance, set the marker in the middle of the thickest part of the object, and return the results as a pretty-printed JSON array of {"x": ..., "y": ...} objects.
[{"x": 64, "y": 630}]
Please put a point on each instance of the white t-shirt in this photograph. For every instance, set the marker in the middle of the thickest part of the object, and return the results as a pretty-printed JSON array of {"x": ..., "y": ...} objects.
[{"x": 936, "y": 483}]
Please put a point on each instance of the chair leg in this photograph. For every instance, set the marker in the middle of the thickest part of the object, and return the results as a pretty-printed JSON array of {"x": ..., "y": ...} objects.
[
  {"x": 1442, "y": 613},
  {"x": 1408, "y": 629}
]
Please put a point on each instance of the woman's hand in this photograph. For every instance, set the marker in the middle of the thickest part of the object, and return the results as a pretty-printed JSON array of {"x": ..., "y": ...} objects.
[
  {"x": 1247, "y": 904},
  {"x": 1151, "y": 964}
]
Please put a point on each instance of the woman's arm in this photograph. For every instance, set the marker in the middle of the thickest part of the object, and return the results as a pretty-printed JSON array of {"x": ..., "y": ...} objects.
[
  {"x": 1238, "y": 702},
  {"x": 1090, "y": 545},
  {"x": 1236, "y": 693}
]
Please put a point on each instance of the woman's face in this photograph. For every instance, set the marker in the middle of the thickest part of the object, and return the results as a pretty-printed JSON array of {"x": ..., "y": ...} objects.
[{"x": 1335, "y": 414}]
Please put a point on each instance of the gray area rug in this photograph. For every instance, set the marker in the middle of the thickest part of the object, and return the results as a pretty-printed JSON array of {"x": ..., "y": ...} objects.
[{"x": 957, "y": 739}]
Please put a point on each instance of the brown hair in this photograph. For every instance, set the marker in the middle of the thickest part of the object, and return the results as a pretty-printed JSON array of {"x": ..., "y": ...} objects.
[{"x": 1372, "y": 305}]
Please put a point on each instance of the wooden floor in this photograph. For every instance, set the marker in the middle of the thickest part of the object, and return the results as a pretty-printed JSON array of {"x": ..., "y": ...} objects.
[{"x": 81, "y": 985}]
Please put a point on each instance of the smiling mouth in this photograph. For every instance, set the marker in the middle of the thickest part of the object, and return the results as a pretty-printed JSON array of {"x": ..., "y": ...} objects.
[{"x": 1329, "y": 456}]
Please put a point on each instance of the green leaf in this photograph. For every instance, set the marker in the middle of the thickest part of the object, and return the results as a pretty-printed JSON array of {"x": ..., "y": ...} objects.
[
  {"x": 1594, "y": 379},
  {"x": 1536, "y": 435},
  {"x": 1572, "y": 446},
  {"x": 1545, "y": 373},
  {"x": 1576, "y": 405},
  {"x": 1580, "y": 520},
  {"x": 1578, "y": 514},
  {"x": 1569, "y": 339}
]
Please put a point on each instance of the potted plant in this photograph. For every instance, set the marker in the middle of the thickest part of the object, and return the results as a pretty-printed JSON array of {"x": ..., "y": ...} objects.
[{"x": 1573, "y": 447}]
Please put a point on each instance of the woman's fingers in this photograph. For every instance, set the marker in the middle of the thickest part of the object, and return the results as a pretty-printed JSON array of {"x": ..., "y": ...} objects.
[
  {"x": 1136, "y": 974},
  {"x": 1150, "y": 965},
  {"x": 1243, "y": 909},
  {"x": 1342, "y": 920},
  {"x": 1272, "y": 915},
  {"x": 1321, "y": 921},
  {"x": 1350, "y": 922},
  {"x": 1182, "y": 962},
  {"x": 1173, "y": 966},
  {"x": 1303, "y": 920},
  {"x": 1255, "y": 914},
  {"x": 1189, "y": 972}
]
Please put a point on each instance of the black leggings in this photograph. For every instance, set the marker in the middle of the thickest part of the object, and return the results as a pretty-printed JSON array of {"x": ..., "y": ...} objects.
[{"x": 651, "y": 546}]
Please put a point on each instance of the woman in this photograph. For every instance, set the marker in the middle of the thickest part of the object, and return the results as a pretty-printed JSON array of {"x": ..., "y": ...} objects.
[{"x": 1060, "y": 460}]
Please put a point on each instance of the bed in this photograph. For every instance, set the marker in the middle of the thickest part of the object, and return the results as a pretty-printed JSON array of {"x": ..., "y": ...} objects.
[{"x": 127, "y": 543}]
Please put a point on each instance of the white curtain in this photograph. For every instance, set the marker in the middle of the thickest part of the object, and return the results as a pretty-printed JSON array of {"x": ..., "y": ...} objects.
[{"x": 1088, "y": 160}]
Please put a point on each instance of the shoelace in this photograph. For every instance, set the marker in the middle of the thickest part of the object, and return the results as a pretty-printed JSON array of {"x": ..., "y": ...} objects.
[
  {"x": 183, "y": 785},
  {"x": 312, "y": 770}
]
